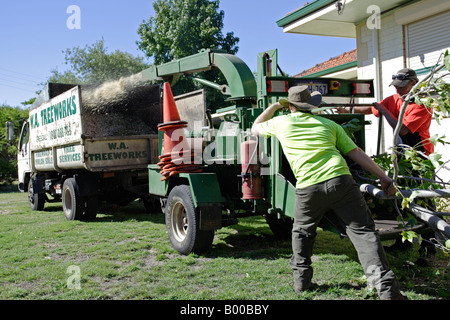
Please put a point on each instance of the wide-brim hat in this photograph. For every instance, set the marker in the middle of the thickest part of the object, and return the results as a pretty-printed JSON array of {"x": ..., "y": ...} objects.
[
  {"x": 403, "y": 76},
  {"x": 302, "y": 98}
]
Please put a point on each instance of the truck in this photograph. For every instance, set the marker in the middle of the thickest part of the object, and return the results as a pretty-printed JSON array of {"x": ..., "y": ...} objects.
[
  {"x": 85, "y": 152},
  {"x": 225, "y": 173}
]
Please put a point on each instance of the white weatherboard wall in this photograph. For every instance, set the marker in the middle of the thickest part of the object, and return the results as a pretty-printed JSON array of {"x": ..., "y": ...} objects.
[
  {"x": 389, "y": 46},
  {"x": 390, "y": 58},
  {"x": 426, "y": 40}
]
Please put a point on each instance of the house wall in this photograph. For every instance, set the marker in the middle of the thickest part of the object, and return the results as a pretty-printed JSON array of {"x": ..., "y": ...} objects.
[{"x": 390, "y": 41}]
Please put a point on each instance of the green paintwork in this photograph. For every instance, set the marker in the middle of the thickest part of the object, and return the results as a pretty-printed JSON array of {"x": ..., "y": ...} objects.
[
  {"x": 155, "y": 185},
  {"x": 284, "y": 196},
  {"x": 204, "y": 187},
  {"x": 238, "y": 75}
]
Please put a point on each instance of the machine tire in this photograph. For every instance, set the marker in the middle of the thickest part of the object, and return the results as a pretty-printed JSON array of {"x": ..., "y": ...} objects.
[
  {"x": 182, "y": 223},
  {"x": 90, "y": 205},
  {"x": 152, "y": 205},
  {"x": 281, "y": 228},
  {"x": 36, "y": 200},
  {"x": 73, "y": 205}
]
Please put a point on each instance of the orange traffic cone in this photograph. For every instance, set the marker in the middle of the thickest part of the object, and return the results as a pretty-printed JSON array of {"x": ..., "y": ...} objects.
[
  {"x": 170, "y": 111},
  {"x": 178, "y": 156},
  {"x": 172, "y": 126}
]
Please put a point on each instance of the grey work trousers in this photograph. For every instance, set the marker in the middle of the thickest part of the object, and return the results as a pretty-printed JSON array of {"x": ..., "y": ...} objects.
[{"x": 341, "y": 195}]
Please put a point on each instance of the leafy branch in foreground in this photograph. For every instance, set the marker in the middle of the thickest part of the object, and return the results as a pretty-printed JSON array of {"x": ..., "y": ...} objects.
[
  {"x": 415, "y": 174},
  {"x": 434, "y": 93}
]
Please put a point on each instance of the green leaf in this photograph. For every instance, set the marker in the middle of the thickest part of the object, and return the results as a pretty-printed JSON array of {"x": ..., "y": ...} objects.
[
  {"x": 410, "y": 236},
  {"x": 434, "y": 158},
  {"x": 411, "y": 220},
  {"x": 405, "y": 203},
  {"x": 447, "y": 244},
  {"x": 434, "y": 139},
  {"x": 410, "y": 153},
  {"x": 413, "y": 196},
  {"x": 447, "y": 60},
  {"x": 437, "y": 118}
]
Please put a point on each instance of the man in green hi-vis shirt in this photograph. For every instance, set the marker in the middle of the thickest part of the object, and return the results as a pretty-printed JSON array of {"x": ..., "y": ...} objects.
[{"x": 313, "y": 146}]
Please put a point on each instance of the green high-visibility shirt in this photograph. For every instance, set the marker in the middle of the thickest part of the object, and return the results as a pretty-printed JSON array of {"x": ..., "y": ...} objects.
[{"x": 311, "y": 145}]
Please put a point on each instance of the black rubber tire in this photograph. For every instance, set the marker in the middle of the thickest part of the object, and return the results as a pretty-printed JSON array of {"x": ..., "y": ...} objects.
[
  {"x": 90, "y": 208},
  {"x": 36, "y": 200},
  {"x": 182, "y": 223},
  {"x": 73, "y": 205},
  {"x": 281, "y": 228},
  {"x": 152, "y": 205}
]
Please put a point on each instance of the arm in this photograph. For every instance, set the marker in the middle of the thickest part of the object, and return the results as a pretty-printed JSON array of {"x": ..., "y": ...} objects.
[
  {"x": 266, "y": 115},
  {"x": 390, "y": 118},
  {"x": 382, "y": 109},
  {"x": 364, "y": 110},
  {"x": 361, "y": 158}
]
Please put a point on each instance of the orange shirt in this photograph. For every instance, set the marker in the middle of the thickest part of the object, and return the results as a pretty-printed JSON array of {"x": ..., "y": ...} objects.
[{"x": 417, "y": 119}]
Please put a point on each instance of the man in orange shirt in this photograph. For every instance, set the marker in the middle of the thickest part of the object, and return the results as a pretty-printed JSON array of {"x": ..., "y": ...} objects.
[{"x": 415, "y": 130}]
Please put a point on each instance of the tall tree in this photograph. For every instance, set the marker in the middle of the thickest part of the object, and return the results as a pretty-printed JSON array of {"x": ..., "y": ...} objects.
[
  {"x": 94, "y": 64},
  {"x": 8, "y": 150},
  {"x": 184, "y": 27}
]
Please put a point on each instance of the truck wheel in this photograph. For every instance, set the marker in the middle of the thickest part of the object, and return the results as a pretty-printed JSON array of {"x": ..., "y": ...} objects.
[
  {"x": 152, "y": 205},
  {"x": 182, "y": 223},
  {"x": 73, "y": 205},
  {"x": 90, "y": 208},
  {"x": 281, "y": 228},
  {"x": 36, "y": 200}
]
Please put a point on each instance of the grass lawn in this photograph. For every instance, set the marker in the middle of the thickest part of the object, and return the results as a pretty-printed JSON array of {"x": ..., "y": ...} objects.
[{"x": 125, "y": 255}]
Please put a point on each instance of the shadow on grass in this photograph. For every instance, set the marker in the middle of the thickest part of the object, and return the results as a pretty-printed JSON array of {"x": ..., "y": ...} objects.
[
  {"x": 133, "y": 211},
  {"x": 254, "y": 240},
  {"x": 258, "y": 243},
  {"x": 112, "y": 213},
  {"x": 8, "y": 188}
]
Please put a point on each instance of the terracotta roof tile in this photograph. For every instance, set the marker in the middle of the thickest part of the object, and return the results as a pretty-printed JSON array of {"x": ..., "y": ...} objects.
[{"x": 341, "y": 59}]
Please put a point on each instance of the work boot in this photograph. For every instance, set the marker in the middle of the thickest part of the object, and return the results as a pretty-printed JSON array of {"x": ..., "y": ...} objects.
[
  {"x": 300, "y": 289},
  {"x": 304, "y": 287},
  {"x": 397, "y": 297}
]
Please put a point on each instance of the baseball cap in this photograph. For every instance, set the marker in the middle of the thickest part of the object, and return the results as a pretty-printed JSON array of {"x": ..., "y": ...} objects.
[{"x": 403, "y": 76}]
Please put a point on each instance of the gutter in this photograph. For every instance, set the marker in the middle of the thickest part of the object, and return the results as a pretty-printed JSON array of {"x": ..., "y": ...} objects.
[{"x": 303, "y": 11}]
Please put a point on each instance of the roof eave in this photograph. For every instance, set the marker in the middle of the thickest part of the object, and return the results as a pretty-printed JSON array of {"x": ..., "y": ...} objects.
[{"x": 303, "y": 11}]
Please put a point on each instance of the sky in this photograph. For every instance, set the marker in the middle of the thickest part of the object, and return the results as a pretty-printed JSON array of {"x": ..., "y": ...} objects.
[{"x": 34, "y": 34}]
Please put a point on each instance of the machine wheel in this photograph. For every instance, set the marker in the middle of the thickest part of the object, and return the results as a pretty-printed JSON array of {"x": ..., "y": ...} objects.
[
  {"x": 152, "y": 205},
  {"x": 281, "y": 228},
  {"x": 182, "y": 223},
  {"x": 90, "y": 208},
  {"x": 73, "y": 205},
  {"x": 36, "y": 200}
]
